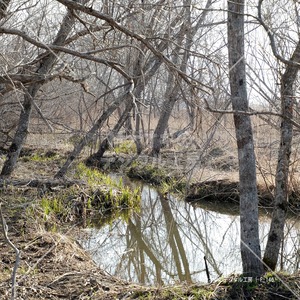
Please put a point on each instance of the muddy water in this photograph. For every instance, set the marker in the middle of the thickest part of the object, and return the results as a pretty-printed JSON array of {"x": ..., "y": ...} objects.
[{"x": 168, "y": 241}]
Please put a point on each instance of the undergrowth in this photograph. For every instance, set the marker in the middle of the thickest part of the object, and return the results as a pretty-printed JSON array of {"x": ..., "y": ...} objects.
[
  {"x": 125, "y": 147},
  {"x": 157, "y": 176}
]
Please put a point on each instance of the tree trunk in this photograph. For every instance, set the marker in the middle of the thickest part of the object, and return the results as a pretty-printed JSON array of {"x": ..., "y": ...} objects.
[
  {"x": 137, "y": 131},
  {"x": 104, "y": 146},
  {"x": 163, "y": 122},
  {"x": 185, "y": 36},
  {"x": 3, "y": 7},
  {"x": 45, "y": 66},
  {"x": 250, "y": 246},
  {"x": 282, "y": 173},
  {"x": 89, "y": 136},
  {"x": 148, "y": 72}
]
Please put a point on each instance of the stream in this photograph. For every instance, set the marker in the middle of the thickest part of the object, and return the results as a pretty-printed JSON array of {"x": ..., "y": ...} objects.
[{"x": 170, "y": 241}]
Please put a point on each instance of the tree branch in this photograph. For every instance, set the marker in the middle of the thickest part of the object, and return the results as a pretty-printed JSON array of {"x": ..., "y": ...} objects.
[
  {"x": 271, "y": 37},
  {"x": 250, "y": 113},
  {"x": 113, "y": 23},
  {"x": 13, "y": 277},
  {"x": 54, "y": 48}
]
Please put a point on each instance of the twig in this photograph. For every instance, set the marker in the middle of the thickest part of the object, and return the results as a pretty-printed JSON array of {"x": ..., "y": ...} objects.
[
  {"x": 206, "y": 270},
  {"x": 39, "y": 260},
  {"x": 13, "y": 277},
  {"x": 250, "y": 113}
]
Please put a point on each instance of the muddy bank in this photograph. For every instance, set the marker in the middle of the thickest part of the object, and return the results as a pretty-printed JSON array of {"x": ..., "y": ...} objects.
[{"x": 227, "y": 192}]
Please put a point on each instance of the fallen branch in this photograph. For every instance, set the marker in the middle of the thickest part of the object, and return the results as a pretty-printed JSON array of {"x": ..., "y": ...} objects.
[
  {"x": 41, "y": 183},
  {"x": 17, "y": 251}
]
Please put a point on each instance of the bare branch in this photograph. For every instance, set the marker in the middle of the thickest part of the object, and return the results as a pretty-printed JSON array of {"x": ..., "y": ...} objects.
[
  {"x": 54, "y": 48},
  {"x": 113, "y": 23},
  {"x": 250, "y": 113},
  {"x": 17, "y": 251},
  {"x": 271, "y": 37}
]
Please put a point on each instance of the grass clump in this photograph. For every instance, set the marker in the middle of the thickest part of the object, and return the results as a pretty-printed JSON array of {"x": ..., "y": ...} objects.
[
  {"x": 51, "y": 206},
  {"x": 126, "y": 147},
  {"x": 109, "y": 197},
  {"x": 39, "y": 156},
  {"x": 52, "y": 210},
  {"x": 94, "y": 177}
]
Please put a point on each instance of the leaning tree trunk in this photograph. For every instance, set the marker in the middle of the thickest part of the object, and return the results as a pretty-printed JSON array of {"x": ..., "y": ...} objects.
[
  {"x": 45, "y": 66},
  {"x": 148, "y": 72},
  {"x": 95, "y": 158},
  {"x": 276, "y": 232},
  {"x": 250, "y": 246},
  {"x": 187, "y": 32},
  {"x": 89, "y": 136},
  {"x": 163, "y": 121}
]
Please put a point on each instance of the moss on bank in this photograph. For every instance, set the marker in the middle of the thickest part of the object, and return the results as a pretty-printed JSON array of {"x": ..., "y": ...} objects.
[{"x": 160, "y": 177}]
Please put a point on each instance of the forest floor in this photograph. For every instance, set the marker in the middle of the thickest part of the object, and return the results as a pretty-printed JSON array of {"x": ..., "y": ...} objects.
[{"x": 54, "y": 266}]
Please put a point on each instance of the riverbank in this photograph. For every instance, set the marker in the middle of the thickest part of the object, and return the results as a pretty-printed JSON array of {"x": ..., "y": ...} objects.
[{"x": 54, "y": 266}]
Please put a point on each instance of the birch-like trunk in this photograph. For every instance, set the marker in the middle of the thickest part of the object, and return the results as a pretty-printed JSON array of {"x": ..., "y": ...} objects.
[
  {"x": 250, "y": 245},
  {"x": 45, "y": 66},
  {"x": 282, "y": 173}
]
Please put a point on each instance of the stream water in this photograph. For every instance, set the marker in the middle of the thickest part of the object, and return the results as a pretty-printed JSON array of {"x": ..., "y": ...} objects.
[{"x": 167, "y": 240}]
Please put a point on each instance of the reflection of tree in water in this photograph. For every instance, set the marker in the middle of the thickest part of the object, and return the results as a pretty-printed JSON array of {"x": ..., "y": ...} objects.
[
  {"x": 155, "y": 248},
  {"x": 175, "y": 241},
  {"x": 290, "y": 247},
  {"x": 168, "y": 239}
]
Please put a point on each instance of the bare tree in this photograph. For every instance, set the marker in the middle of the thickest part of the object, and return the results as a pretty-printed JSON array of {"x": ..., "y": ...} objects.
[
  {"x": 250, "y": 245},
  {"x": 44, "y": 66},
  {"x": 90, "y": 135},
  {"x": 175, "y": 85},
  {"x": 287, "y": 91}
]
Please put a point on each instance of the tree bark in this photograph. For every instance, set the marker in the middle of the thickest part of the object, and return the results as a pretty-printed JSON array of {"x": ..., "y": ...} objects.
[
  {"x": 45, "y": 66},
  {"x": 3, "y": 7},
  {"x": 250, "y": 245},
  {"x": 276, "y": 232}
]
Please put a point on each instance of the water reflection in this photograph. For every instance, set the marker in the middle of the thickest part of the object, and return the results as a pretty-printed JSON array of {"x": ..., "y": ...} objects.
[{"x": 168, "y": 239}]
